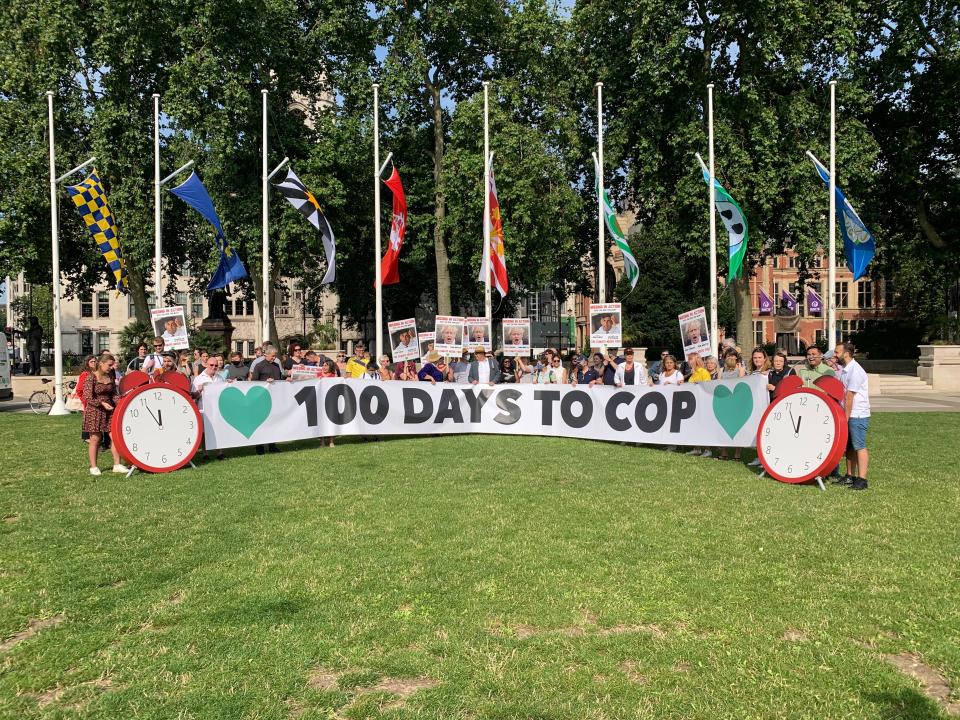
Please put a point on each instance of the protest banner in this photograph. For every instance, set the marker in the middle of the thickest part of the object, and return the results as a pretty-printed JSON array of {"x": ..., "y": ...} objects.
[
  {"x": 170, "y": 324},
  {"x": 694, "y": 332},
  {"x": 516, "y": 337},
  {"x": 448, "y": 336},
  {"x": 477, "y": 331},
  {"x": 403, "y": 339},
  {"x": 304, "y": 372},
  {"x": 605, "y": 327},
  {"x": 723, "y": 413},
  {"x": 426, "y": 343}
]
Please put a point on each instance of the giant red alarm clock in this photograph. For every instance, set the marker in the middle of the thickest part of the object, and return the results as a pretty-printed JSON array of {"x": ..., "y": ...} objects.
[
  {"x": 157, "y": 427},
  {"x": 803, "y": 433}
]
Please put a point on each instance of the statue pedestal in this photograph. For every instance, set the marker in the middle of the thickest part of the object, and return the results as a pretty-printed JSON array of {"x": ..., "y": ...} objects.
[
  {"x": 939, "y": 367},
  {"x": 217, "y": 323}
]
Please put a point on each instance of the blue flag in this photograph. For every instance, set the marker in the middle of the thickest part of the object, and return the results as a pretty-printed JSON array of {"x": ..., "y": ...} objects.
[
  {"x": 194, "y": 194},
  {"x": 858, "y": 244}
]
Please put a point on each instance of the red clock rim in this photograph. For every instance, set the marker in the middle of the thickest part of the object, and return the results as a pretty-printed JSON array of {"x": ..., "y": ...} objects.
[
  {"x": 117, "y": 435},
  {"x": 836, "y": 452}
]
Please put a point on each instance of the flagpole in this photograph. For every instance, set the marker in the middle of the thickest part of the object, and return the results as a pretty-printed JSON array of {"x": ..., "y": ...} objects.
[
  {"x": 376, "y": 222},
  {"x": 832, "y": 218},
  {"x": 601, "y": 255},
  {"x": 58, "y": 408},
  {"x": 265, "y": 250},
  {"x": 157, "y": 275},
  {"x": 714, "y": 333},
  {"x": 485, "y": 263},
  {"x": 9, "y": 295}
]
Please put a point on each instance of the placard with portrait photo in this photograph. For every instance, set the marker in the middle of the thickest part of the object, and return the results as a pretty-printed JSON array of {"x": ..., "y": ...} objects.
[
  {"x": 694, "y": 333},
  {"x": 516, "y": 337},
  {"x": 605, "y": 327},
  {"x": 448, "y": 334},
  {"x": 477, "y": 332},
  {"x": 170, "y": 324},
  {"x": 426, "y": 342},
  {"x": 403, "y": 340}
]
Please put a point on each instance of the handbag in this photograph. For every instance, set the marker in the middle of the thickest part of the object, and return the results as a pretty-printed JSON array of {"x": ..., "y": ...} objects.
[{"x": 74, "y": 403}]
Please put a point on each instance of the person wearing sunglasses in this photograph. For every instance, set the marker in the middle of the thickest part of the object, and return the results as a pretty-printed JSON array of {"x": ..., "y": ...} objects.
[{"x": 154, "y": 361}]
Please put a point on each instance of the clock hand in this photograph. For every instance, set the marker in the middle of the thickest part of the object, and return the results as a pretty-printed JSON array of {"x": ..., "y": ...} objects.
[
  {"x": 153, "y": 416},
  {"x": 796, "y": 425},
  {"x": 160, "y": 418}
]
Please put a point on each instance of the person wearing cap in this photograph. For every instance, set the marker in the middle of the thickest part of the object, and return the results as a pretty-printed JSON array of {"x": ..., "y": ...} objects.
[
  {"x": 356, "y": 366},
  {"x": 814, "y": 368},
  {"x": 430, "y": 372},
  {"x": 483, "y": 370},
  {"x": 459, "y": 369},
  {"x": 629, "y": 373}
]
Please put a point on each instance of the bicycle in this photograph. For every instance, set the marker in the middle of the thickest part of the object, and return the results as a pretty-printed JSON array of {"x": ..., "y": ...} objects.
[{"x": 41, "y": 400}]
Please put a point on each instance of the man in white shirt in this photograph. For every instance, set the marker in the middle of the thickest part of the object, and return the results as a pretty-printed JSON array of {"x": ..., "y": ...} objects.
[
  {"x": 173, "y": 333},
  {"x": 856, "y": 405},
  {"x": 210, "y": 374},
  {"x": 406, "y": 342},
  {"x": 483, "y": 370},
  {"x": 609, "y": 328},
  {"x": 154, "y": 361}
]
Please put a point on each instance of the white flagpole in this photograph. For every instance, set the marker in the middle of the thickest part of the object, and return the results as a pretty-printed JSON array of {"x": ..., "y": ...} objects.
[
  {"x": 265, "y": 301},
  {"x": 157, "y": 241},
  {"x": 714, "y": 333},
  {"x": 376, "y": 223},
  {"x": 58, "y": 407},
  {"x": 832, "y": 218},
  {"x": 9, "y": 294},
  {"x": 601, "y": 255},
  {"x": 485, "y": 263}
]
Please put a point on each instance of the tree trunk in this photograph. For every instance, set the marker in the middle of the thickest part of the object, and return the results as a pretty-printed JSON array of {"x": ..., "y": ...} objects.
[
  {"x": 744, "y": 304},
  {"x": 439, "y": 206},
  {"x": 138, "y": 293}
]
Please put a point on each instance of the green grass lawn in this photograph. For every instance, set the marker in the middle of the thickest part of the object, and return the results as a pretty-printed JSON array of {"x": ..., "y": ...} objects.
[{"x": 475, "y": 577}]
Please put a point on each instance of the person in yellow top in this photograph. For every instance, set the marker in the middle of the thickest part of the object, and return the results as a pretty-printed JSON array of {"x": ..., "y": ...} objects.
[
  {"x": 357, "y": 365},
  {"x": 698, "y": 374}
]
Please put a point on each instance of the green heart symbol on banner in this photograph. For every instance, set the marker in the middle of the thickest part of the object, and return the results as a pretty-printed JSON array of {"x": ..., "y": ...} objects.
[
  {"x": 732, "y": 409},
  {"x": 245, "y": 412}
]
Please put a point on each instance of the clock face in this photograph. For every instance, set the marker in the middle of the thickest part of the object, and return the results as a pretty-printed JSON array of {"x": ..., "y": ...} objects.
[
  {"x": 158, "y": 427},
  {"x": 801, "y": 436}
]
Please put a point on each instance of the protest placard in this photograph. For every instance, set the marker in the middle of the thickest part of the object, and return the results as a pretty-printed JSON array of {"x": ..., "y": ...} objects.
[
  {"x": 605, "y": 327},
  {"x": 694, "y": 333},
  {"x": 403, "y": 339},
  {"x": 516, "y": 337},
  {"x": 170, "y": 324}
]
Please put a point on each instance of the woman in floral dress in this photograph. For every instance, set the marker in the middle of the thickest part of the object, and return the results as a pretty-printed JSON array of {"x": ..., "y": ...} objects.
[{"x": 100, "y": 396}]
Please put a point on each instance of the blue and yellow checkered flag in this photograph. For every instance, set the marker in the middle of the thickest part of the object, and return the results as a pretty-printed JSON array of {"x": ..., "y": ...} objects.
[{"x": 92, "y": 205}]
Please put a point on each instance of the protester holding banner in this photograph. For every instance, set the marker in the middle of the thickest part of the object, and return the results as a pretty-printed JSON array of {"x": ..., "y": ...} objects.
[
  {"x": 294, "y": 356},
  {"x": 405, "y": 370},
  {"x": 759, "y": 362},
  {"x": 732, "y": 366},
  {"x": 629, "y": 373},
  {"x": 698, "y": 373},
  {"x": 459, "y": 369},
  {"x": 669, "y": 372},
  {"x": 237, "y": 370},
  {"x": 483, "y": 370},
  {"x": 579, "y": 369},
  {"x": 710, "y": 365},
  {"x": 100, "y": 396},
  {"x": 268, "y": 369},
  {"x": 356, "y": 367},
  {"x": 430, "y": 372},
  {"x": 384, "y": 371},
  {"x": 509, "y": 370}
]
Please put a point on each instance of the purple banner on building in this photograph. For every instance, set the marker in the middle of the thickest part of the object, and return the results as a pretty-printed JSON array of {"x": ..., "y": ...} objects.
[
  {"x": 788, "y": 301},
  {"x": 766, "y": 303},
  {"x": 814, "y": 303}
]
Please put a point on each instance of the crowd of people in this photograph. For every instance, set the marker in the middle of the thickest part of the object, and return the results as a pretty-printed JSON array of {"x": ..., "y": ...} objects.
[{"x": 98, "y": 386}]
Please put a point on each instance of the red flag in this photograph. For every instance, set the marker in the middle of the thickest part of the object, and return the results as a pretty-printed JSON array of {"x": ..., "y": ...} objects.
[
  {"x": 498, "y": 260},
  {"x": 390, "y": 267}
]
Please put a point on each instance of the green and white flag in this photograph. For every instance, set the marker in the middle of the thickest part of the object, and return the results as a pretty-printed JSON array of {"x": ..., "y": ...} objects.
[
  {"x": 734, "y": 220},
  {"x": 610, "y": 215}
]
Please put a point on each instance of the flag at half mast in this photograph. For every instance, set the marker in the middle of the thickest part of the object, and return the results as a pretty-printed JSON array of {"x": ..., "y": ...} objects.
[
  {"x": 390, "y": 265},
  {"x": 91, "y": 203},
  {"x": 610, "y": 216},
  {"x": 733, "y": 219},
  {"x": 296, "y": 193},
  {"x": 497, "y": 262}
]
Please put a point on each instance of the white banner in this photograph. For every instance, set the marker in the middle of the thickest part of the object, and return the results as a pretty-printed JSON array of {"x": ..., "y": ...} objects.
[
  {"x": 722, "y": 413},
  {"x": 403, "y": 340},
  {"x": 516, "y": 337},
  {"x": 605, "y": 325}
]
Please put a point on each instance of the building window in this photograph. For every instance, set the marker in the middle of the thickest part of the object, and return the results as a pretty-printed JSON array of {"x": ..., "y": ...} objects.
[
  {"x": 103, "y": 304},
  {"x": 103, "y": 342},
  {"x": 283, "y": 306},
  {"x": 758, "y": 332},
  {"x": 238, "y": 346},
  {"x": 250, "y": 349},
  {"x": 86, "y": 308},
  {"x": 889, "y": 296},
  {"x": 196, "y": 306},
  {"x": 533, "y": 306},
  {"x": 865, "y": 294},
  {"x": 818, "y": 336},
  {"x": 86, "y": 342},
  {"x": 793, "y": 261},
  {"x": 181, "y": 299},
  {"x": 817, "y": 261},
  {"x": 841, "y": 294},
  {"x": 132, "y": 310}
]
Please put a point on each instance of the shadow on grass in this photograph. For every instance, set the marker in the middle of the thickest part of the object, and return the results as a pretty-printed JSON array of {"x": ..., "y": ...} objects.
[{"x": 905, "y": 704}]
